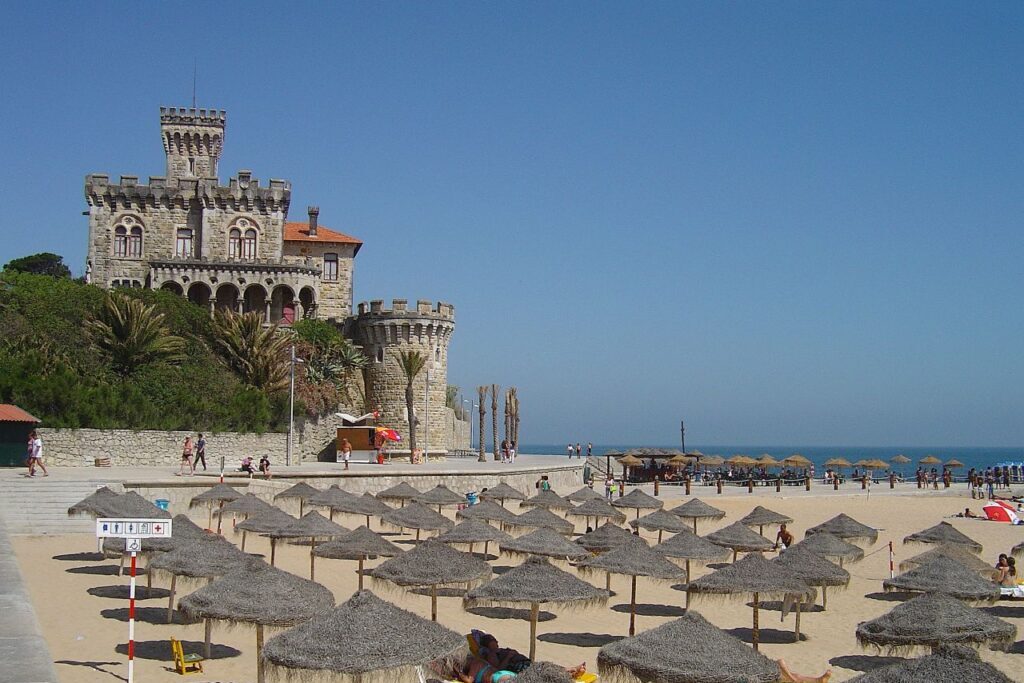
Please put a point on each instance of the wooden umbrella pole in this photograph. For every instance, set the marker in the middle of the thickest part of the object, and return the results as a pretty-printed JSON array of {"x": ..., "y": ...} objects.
[
  {"x": 824, "y": 597},
  {"x": 687, "y": 584},
  {"x": 220, "y": 515},
  {"x": 170, "y": 599},
  {"x": 360, "y": 572},
  {"x": 659, "y": 535},
  {"x": 259, "y": 653},
  {"x": 302, "y": 504},
  {"x": 207, "y": 636},
  {"x": 734, "y": 554},
  {"x": 534, "y": 613},
  {"x": 417, "y": 535},
  {"x": 797, "y": 632},
  {"x": 607, "y": 581},
  {"x": 471, "y": 548},
  {"x": 486, "y": 545},
  {"x": 209, "y": 519},
  {"x": 273, "y": 550},
  {"x": 632, "y": 606},
  {"x": 694, "y": 525},
  {"x": 367, "y": 521},
  {"x": 243, "y": 540},
  {"x": 754, "y": 634},
  {"x": 149, "y": 574},
  {"x": 433, "y": 602},
  {"x": 312, "y": 558}
]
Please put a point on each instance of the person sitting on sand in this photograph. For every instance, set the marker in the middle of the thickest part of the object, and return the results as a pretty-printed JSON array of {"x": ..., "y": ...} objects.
[
  {"x": 789, "y": 676},
  {"x": 1007, "y": 571},
  {"x": 783, "y": 539},
  {"x": 967, "y": 513}
]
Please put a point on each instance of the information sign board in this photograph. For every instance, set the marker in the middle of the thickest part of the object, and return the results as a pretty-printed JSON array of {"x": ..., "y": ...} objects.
[{"x": 116, "y": 527}]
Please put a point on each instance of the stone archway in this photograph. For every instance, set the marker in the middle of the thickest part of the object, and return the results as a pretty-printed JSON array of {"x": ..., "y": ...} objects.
[
  {"x": 199, "y": 294},
  {"x": 172, "y": 287},
  {"x": 307, "y": 297},
  {"x": 227, "y": 298},
  {"x": 282, "y": 305},
  {"x": 255, "y": 301}
]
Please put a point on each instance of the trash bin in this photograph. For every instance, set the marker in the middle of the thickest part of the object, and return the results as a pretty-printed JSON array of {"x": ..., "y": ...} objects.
[
  {"x": 163, "y": 503},
  {"x": 471, "y": 497}
]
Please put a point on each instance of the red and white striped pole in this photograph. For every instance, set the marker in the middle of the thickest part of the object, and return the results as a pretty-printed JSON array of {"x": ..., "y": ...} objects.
[
  {"x": 892, "y": 562},
  {"x": 131, "y": 625}
]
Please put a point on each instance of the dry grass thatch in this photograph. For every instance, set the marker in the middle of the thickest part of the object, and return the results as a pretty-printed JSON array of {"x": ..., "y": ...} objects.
[
  {"x": 948, "y": 663},
  {"x": 932, "y": 620},
  {"x": 99, "y": 503},
  {"x": 695, "y": 508},
  {"x": 365, "y": 505},
  {"x": 954, "y": 552},
  {"x": 638, "y": 500},
  {"x": 845, "y": 527},
  {"x": 597, "y": 508},
  {"x": 606, "y": 537},
  {"x": 220, "y": 493},
  {"x": 311, "y": 525},
  {"x": 943, "y": 532},
  {"x": 432, "y": 564},
  {"x": 687, "y": 650},
  {"x": 486, "y": 511},
  {"x": 401, "y": 491},
  {"x": 266, "y": 522},
  {"x": 752, "y": 574},
  {"x": 364, "y": 639},
  {"x": 302, "y": 491},
  {"x": 739, "y": 538},
  {"x": 248, "y": 504},
  {"x": 544, "y": 672},
  {"x": 440, "y": 495},
  {"x": 634, "y": 560},
  {"x": 1018, "y": 549},
  {"x": 502, "y": 492},
  {"x": 474, "y": 531},
  {"x": 416, "y": 515},
  {"x": 828, "y": 546},
  {"x": 584, "y": 494},
  {"x": 687, "y": 545},
  {"x": 539, "y": 518},
  {"x": 660, "y": 520},
  {"x": 761, "y": 516},
  {"x": 549, "y": 500},
  {"x": 944, "y": 575},
  {"x": 536, "y": 581},
  {"x": 546, "y": 542},
  {"x": 360, "y": 543},
  {"x": 329, "y": 497},
  {"x": 198, "y": 558},
  {"x": 812, "y": 568}
]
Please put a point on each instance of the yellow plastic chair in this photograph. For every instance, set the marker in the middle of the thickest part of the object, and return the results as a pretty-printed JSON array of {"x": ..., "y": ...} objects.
[{"x": 185, "y": 663}]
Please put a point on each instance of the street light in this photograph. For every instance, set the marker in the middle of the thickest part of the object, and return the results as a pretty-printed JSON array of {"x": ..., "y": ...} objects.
[
  {"x": 469, "y": 419},
  {"x": 291, "y": 406},
  {"x": 426, "y": 408}
]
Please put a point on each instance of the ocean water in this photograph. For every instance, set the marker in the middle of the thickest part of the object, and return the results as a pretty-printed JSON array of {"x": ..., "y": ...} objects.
[{"x": 969, "y": 456}]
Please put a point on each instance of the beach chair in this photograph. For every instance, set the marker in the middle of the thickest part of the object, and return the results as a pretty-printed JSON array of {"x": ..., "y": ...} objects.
[{"x": 185, "y": 663}]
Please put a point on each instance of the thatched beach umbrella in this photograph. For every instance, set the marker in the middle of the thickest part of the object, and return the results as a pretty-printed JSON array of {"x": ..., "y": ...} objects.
[
  {"x": 183, "y": 530},
  {"x": 695, "y": 509},
  {"x": 899, "y": 459},
  {"x": 473, "y": 531},
  {"x": 944, "y": 575},
  {"x": 246, "y": 506},
  {"x": 365, "y": 639},
  {"x": 932, "y": 620},
  {"x": 487, "y": 511},
  {"x": 687, "y": 650},
  {"x": 953, "y": 463},
  {"x": 753, "y": 574},
  {"x": 501, "y": 493},
  {"x": 329, "y": 498},
  {"x": 847, "y": 528},
  {"x": 536, "y": 582},
  {"x": 432, "y": 564},
  {"x": 366, "y": 505},
  {"x": 215, "y": 496},
  {"x": 544, "y": 672},
  {"x": 638, "y": 500},
  {"x": 597, "y": 508},
  {"x": 767, "y": 460},
  {"x": 266, "y": 523},
  {"x": 359, "y": 544},
  {"x": 1018, "y": 549},
  {"x": 797, "y": 460},
  {"x": 944, "y": 532},
  {"x": 838, "y": 462},
  {"x": 583, "y": 495},
  {"x": 953, "y": 552},
  {"x": 740, "y": 460},
  {"x": 660, "y": 521},
  {"x": 606, "y": 537},
  {"x": 545, "y": 542},
  {"x": 873, "y": 464},
  {"x": 549, "y": 500},
  {"x": 711, "y": 460},
  {"x": 626, "y": 462},
  {"x": 761, "y": 517},
  {"x": 258, "y": 594},
  {"x": 814, "y": 570},
  {"x": 690, "y": 547},
  {"x": 401, "y": 492},
  {"x": 930, "y": 460},
  {"x": 440, "y": 496},
  {"x": 633, "y": 560},
  {"x": 539, "y": 518},
  {"x": 312, "y": 526},
  {"x": 302, "y": 491},
  {"x": 948, "y": 663},
  {"x": 740, "y": 539},
  {"x": 828, "y": 546},
  {"x": 419, "y": 517},
  {"x": 99, "y": 503}
]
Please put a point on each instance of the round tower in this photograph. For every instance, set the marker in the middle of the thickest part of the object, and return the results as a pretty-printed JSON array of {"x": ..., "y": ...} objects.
[{"x": 385, "y": 333}]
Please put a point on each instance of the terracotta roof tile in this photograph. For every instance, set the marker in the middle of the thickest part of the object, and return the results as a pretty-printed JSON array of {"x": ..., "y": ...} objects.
[
  {"x": 299, "y": 232},
  {"x": 9, "y": 413}
]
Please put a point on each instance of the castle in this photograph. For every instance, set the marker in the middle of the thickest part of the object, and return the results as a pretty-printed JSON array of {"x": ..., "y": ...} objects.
[{"x": 232, "y": 247}]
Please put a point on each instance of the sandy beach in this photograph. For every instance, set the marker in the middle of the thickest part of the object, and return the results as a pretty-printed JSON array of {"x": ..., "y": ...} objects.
[{"x": 82, "y": 604}]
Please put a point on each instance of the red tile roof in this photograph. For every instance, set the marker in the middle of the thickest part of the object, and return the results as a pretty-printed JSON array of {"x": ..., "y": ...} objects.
[
  {"x": 299, "y": 232},
  {"x": 9, "y": 413}
]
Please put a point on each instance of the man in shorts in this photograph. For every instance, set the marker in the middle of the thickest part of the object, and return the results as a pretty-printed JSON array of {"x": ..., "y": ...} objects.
[{"x": 35, "y": 454}]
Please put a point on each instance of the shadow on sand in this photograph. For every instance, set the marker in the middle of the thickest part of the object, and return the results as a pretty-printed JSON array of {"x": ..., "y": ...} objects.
[
  {"x": 579, "y": 639},
  {"x": 894, "y": 596},
  {"x": 147, "y": 615},
  {"x": 121, "y": 592},
  {"x": 160, "y": 650},
  {"x": 651, "y": 610},
  {"x": 81, "y": 557},
  {"x": 96, "y": 666},
  {"x": 96, "y": 569},
  {"x": 768, "y": 636},
  {"x": 864, "y": 662},
  {"x": 509, "y": 613},
  {"x": 776, "y": 606}
]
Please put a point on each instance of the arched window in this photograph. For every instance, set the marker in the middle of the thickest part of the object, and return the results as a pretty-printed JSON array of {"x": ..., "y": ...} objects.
[
  {"x": 183, "y": 245},
  {"x": 135, "y": 242},
  {"x": 380, "y": 354},
  {"x": 243, "y": 239},
  {"x": 330, "y": 267},
  {"x": 249, "y": 244},
  {"x": 120, "y": 242},
  {"x": 234, "y": 243},
  {"x": 128, "y": 237}
]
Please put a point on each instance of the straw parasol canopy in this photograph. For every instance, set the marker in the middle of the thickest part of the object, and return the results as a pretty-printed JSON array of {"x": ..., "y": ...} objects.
[
  {"x": 954, "y": 463},
  {"x": 711, "y": 460},
  {"x": 606, "y": 537},
  {"x": 953, "y": 552},
  {"x": 660, "y": 521},
  {"x": 687, "y": 650},
  {"x": 695, "y": 509},
  {"x": 899, "y": 459},
  {"x": 753, "y": 574},
  {"x": 266, "y": 523},
  {"x": 539, "y": 518},
  {"x": 440, "y": 496},
  {"x": 249, "y": 504},
  {"x": 944, "y": 532},
  {"x": 948, "y": 663},
  {"x": 838, "y": 462},
  {"x": 681, "y": 460},
  {"x": 432, "y": 564},
  {"x": 583, "y": 495},
  {"x": 99, "y": 503},
  {"x": 830, "y": 547},
  {"x": 501, "y": 493},
  {"x": 203, "y": 557},
  {"x": 638, "y": 500},
  {"x": 366, "y": 505},
  {"x": 740, "y": 539},
  {"x": 545, "y": 542},
  {"x": 419, "y": 517},
  {"x": 359, "y": 544},
  {"x": 259, "y": 594},
  {"x": 544, "y": 672},
  {"x": 767, "y": 460},
  {"x": 401, "y": 492},
  {"x": 312, "y": 526},
  {"x": 1018, "y": 549},
  {"x": 814, "y": 570},
  {"x": 633, "y": 560},
  {"x": 215, "y": 496},
  {"x": 932, "y": 620},
  {"x": 302, "y": 491},
  {"x": 873, "y": 464},
  {"x": 536, "y": 582},
  {"x": 473, "y": 531},
  {"x": 364, "y": 639},
  {"x": 629, "y": 460},
  {"x": 488, "y": 511},
  {"x": 549, "y": 500},
  {"x": 845, "y": 527},
  {"x": 741, "y": 461},
  {"x": 944, "y": 575},
  {"x": 330, "y": 498},
  {"x": 690, "y": 547},
  {"x": 930, "y": 460},
  {"x": 598, "y": 508},
  {"x": 797, "y": 460},
  {"x": 761, "y": 517},
  {"x": 131, "y": 504}
]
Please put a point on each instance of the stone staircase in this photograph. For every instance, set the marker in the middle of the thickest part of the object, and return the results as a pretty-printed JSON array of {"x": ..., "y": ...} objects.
[{"x": 40, "y": 505}]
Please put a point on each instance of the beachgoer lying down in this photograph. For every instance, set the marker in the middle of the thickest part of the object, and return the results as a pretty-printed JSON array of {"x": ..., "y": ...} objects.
[
  {"x": 789, "y": 676},
  {"x": 477, "y": 670}
]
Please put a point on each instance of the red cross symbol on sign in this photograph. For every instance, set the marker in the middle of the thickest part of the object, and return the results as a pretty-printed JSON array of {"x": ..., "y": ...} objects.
[{"x": 158, "y": 528}]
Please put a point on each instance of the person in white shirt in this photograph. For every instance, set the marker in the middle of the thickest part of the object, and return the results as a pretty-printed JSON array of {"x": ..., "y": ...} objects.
[{"x": 35, "y": 454}]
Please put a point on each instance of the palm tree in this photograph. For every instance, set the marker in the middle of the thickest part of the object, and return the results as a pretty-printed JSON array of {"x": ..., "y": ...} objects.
[
  {"x": 514, "y": 393},
  {"x": 508, "y": 415},
  {"x": 482, "y": 396},
  {"x": 258, "y": 354},
  {"x": 412, "y": 363},
  {"x": 494, "y": 419},
  {"x": 352, "y": 359},
  {"x": 132, "y": 334}
]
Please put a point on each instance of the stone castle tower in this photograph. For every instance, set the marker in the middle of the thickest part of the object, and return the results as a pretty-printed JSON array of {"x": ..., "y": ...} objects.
[{"x": 384, "y": 334}]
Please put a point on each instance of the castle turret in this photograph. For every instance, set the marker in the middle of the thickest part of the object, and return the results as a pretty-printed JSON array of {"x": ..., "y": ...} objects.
[
  {"x": 384, "y": 334},
  {"x": 193, "y": 141}
]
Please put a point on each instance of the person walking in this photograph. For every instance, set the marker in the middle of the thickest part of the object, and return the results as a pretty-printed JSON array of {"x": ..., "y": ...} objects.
[
  {"x": 346, "y": 451},
  {"x": 608, "y": 487},
  {"x": 504, "y": 450},
  {"x": 186, "y": 455},
  {"x": 990, "y": 483},
  {"x": 570, "y": 450},
  {"x": 35, "y": 454},
  {"x": 512, "y": 452},
  {"x": 579, "y": 450},
  {"x": 590, "y": 449},
  {"x": 200, "y": 453}
]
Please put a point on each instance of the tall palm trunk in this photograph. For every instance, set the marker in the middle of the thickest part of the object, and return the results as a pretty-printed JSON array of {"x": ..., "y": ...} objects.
[
  {"x": 410, "y": 408},
  {"x": 515, "y": 416},
  {"x": 494, "y": 419},
  {"x": 482, "y": 396},
  {"x": 508, "y": 416}
]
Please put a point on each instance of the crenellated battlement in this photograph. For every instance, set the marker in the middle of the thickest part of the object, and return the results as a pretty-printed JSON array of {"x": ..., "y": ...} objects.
[
  {"x": 193, "y": 117},
  {"x": 241, "y": 191},
  {"x": 400, "y": 309}
]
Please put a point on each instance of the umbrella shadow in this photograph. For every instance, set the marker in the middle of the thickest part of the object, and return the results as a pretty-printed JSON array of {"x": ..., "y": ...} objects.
[
  {"x": 894, "y": 596},
  {"x": 776, "y": 606},
  {"x": 1004, "y": 611},
  {"x": 718, "y": 565},
  {"x": 95, "y": 666},
  {"x": 160, "y": 650},
  {"x": 500, "y": 569},
  {"x": 579, "y": 639},
  {"x": 442, "y": 592},
  {"x": 147, "y": 615},
  {"x": 508, "y": 613},
  {"x": 651, "y": 610},
  {"x": 96, "y": 569},
  {"x": 768, "y": 636},
  {"x": 120, "y": 592},
  {"x": 1017, "y": 648},
  {"x": 81, "y": 557},
  {"x": 489, "y": 557},
  {"x": 864, "y": 662}
]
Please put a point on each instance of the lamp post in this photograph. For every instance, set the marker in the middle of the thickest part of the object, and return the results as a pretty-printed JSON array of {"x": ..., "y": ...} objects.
[
  {"x": 291, "y": 406},
  {"x": 466, "y": 413}
]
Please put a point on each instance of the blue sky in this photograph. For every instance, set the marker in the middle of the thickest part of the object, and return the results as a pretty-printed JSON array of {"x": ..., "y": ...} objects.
[{"x": 788, "y": 223}]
